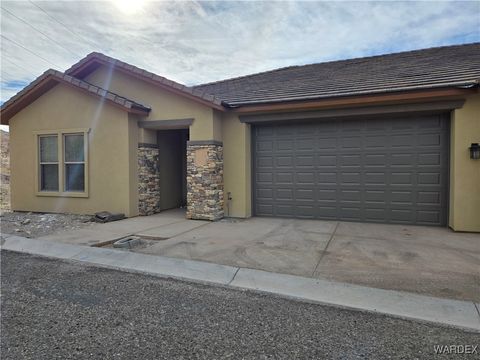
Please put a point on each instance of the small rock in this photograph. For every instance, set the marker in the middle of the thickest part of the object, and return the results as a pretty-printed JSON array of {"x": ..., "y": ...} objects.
[
  {"x": 18, "y": 230},
  {"x": 26, "y": 221}
]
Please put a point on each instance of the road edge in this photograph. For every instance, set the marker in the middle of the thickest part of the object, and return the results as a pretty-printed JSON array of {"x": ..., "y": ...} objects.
[{"x": 404, "y": 305}]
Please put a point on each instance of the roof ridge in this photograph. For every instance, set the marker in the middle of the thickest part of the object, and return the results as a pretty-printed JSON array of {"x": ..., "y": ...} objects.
[
  {"x": 335, "y": 61},
  {"x": 64, "y": 76}
]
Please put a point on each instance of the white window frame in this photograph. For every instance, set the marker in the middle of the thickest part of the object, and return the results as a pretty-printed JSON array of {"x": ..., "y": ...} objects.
[{"x": 61, "y": 163}]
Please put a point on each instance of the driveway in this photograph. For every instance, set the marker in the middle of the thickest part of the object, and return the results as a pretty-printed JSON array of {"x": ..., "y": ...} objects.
[{"x": 427, "y": 260}]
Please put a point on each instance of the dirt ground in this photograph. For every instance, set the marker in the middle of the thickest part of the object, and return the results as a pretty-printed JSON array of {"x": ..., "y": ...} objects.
[{"x": 33, "y": 225}]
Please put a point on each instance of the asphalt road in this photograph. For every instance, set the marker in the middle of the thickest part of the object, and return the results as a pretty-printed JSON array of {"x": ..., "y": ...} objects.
[{"x": 55, "y": 309}]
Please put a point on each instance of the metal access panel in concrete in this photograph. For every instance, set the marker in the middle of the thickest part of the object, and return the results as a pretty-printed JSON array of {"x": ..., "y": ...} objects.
[{"x": 387, "y": 170}]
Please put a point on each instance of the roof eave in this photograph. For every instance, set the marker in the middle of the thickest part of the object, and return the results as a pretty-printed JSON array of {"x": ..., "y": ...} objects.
[
  {"x": 43, "y": 84},
  {"x": 93, "y": 60}
]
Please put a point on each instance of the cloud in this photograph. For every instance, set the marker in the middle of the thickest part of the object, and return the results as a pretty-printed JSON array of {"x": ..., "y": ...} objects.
[{"x": 196, "y": 42}]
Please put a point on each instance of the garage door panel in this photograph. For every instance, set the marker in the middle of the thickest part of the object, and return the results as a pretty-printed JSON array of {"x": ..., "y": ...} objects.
[
  {"x": 349, "y": 126},
  {"x": 375, "y": 214},
  {"x": 402, "y": 141},
  {"x": 326, "y": 194},
  {"x": 392, "y": 170},
  {"x": 326, "y": 178},
  {"x": 425, "y": 178},
  {"x": 351, "y": 143},
  {"x": 284, "y": 178},
  {"x": 371, "y": 159},
  {"x": 402, "y": 159},
  {"x": 375, "y": 178},
  {"x": 374, "y": 196},
  {"x": 350, "y": 195},
  {"x": 399, "y": 197},
  {"x": 305, "y": 161},
  {"x": 405, "y": 216},
  {"x": 401, "y": 178},
  {"x": 264, "y": 177},
  {"x": 264, "y": 162},
  {"x": 306, "y": 212},
  {"x": 264, "y": 194},
  {"x": 376, "y": 142},
  {"x": 285, "y": 145},
  {"x": 429, "y": 140},
  {"x": 326, "y": 160},
  {"x": 349, "y": 159},
  {"x": 327, "y": 144},
  {"x": 433, "y": 159},
  {"x": 426, "y": 217},
  {"x": 283, "y": 161},
  {"x": 429, "y": 197},
  {"x": 326, "y": 211},
  {"x": 350, "y": 178}
]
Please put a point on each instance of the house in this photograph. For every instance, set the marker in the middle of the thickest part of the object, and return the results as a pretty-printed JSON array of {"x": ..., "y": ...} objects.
[{"x": 376, "y": 139}]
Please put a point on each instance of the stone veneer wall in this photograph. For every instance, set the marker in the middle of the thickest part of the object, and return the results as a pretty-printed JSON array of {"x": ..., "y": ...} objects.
[
  {"x": 148, "y": 179},
  {"x": 204, "y": 180}
]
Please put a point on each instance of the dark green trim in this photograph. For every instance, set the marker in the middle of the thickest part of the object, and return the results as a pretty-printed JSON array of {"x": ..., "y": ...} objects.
[
  {"x": 166, "y": 124},
  {"x": 358, "y": 111},
  {"x": 204, "y": 142},
  {"x": 149, "y": 146}
]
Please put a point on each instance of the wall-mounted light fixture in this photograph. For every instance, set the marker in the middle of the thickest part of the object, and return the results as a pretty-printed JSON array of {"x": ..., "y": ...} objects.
[{"x": 474, "y": 151}]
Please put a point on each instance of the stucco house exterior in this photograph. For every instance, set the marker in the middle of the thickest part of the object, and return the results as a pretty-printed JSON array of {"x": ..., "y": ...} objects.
[{"x": 376, "y": 139}]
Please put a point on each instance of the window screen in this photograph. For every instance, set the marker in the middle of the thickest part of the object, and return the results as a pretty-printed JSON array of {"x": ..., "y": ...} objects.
[{"x": 48, "y": 163}]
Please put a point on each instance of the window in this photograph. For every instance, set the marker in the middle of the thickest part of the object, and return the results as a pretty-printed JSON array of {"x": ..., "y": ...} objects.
[
  {"x": 74, "y": 159},
  {"x": 62, "y": 159},
  {"x": 49, "y": 163}
]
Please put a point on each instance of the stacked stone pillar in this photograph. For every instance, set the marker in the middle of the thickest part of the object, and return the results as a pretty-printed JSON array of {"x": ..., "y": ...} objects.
[
  {"x": 205, "y": 180},
  {"x": 148, "y": 179}
]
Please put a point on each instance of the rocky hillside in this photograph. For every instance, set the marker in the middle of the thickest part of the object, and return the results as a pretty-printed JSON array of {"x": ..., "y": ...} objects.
[{"x": 4, "y": 172}]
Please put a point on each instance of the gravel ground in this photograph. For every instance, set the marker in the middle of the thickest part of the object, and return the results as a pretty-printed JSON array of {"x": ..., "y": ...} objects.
[
  {"x": 33, "y": 225},
  {"x": 54, "y": 309}
]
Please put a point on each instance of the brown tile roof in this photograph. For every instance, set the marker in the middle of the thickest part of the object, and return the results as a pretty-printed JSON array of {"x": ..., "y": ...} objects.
[
  {"x": 51, "y": 78},
  {"x": 449, "y": 66},
  {"x": 93, "y": 60}
]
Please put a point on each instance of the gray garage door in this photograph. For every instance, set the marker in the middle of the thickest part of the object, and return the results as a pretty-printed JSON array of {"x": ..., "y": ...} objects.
[{"x": 389, "y": 170}]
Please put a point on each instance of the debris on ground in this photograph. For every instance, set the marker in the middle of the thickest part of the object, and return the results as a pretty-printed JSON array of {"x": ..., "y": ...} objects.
[
  {"x": 105, "y": 216},
  {"x": 32, "y": 225}
]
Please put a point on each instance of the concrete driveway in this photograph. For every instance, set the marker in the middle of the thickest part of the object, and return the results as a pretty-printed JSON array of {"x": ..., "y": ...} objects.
[{"x": 427, "y": 260}]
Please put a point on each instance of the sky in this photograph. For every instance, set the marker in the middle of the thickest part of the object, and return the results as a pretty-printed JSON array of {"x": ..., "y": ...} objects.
[{"x": 194, "y": 42}]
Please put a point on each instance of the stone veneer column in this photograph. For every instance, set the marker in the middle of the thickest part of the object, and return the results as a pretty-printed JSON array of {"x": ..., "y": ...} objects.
[
  {"x": 205, "y": 180},
  {"x": 148, "y": 179}
]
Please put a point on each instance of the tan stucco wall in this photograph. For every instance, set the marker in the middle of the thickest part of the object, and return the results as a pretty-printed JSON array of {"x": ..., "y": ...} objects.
[
  {"x": 237, "y": 166},
  {"x": 465, "y": 172},
  {"x": 165, "y": 105},
  {"x": 147, "y": 136},
  {"x": 110, "y": 173}
]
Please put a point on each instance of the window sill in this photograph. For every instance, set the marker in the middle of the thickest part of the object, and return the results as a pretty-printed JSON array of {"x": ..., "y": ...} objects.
[{"x": 63, "y": 194}]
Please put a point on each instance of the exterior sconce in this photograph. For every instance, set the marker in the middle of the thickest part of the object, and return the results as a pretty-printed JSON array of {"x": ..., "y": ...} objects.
[{"x": 474, "y": 151}]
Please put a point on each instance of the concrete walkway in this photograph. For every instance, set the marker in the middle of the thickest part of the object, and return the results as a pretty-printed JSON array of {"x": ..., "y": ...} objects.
[{"x": 462, "y": 314}]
